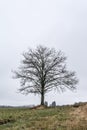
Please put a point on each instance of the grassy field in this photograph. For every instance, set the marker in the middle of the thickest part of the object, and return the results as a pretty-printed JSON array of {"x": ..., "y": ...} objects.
[{"x": 59, "y": 118}]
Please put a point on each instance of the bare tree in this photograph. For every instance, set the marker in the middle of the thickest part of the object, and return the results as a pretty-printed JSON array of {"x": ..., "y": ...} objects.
[{"x": 43, "y": 70}]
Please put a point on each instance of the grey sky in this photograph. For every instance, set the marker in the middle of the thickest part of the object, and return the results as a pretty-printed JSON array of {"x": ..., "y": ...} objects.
[{"x": 55, "y": 23}]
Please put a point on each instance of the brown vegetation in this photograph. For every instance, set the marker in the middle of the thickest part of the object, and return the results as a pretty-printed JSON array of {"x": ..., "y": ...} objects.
[{"x": 69, "y": 117}]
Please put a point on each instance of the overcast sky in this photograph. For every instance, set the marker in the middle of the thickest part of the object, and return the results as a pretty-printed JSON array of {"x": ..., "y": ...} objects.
[{"x": 24, "y": 24}]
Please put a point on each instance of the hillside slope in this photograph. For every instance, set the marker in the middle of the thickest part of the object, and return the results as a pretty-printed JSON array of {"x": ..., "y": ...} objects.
[{"x": 72, "y": 117}]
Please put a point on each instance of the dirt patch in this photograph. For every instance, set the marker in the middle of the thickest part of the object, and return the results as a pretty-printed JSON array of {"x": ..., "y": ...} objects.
[{"x": 39, "y": 107}]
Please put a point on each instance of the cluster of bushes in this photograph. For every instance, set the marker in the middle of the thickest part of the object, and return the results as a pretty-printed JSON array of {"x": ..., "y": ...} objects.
[
  {"x": 51, "y": 105},
  {"x": 79, "y": 104}
]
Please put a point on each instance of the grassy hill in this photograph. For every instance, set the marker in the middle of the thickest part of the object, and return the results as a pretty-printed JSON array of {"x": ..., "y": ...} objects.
[{"x": 72, "y": 117}]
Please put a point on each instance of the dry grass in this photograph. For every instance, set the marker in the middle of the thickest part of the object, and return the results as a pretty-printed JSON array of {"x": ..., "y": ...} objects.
[{"x": 40, "y": 118}]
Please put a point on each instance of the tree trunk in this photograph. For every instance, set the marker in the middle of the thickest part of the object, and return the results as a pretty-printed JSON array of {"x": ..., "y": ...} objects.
[{"x": 42, "y": 98}]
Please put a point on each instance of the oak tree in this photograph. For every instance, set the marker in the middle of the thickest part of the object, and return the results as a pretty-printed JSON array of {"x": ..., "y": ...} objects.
[{"x": 44, "y": 69}]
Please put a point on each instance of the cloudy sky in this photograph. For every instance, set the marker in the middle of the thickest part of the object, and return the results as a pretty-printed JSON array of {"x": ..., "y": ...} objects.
[{"x": 24, "y": 24}]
